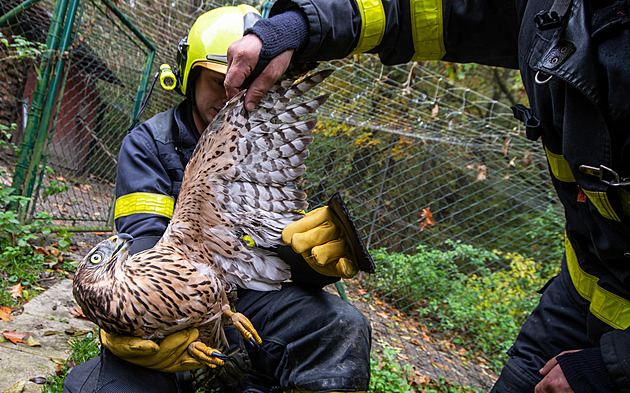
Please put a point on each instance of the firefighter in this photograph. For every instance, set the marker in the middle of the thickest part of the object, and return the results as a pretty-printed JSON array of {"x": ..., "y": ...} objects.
[
  {"x": 573, "y": 56},
  {"x": 312, "y": 340}
]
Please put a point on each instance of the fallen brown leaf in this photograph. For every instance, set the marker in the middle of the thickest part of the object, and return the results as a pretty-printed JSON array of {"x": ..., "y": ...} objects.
[
  {"x": 426, "y": 218},
  {"x": 422, "y": 379},
  {"x": 18, "y": 387},
  {"x": 32, "y": 342},
  {"x": 435, "y": 110},
  {"x": 14, "y": 337},
  {"x": 505, "y": 148},
  {"x": 16, "y": 290},
  {"x": 38, "y": 380},
  {"x": 482, "y": 173},
  {"x": 5, "y": 314}
]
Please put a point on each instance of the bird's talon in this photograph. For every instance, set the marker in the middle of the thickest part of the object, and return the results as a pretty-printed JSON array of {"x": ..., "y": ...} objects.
[
  {"x": 219, "y": 355},
  {"x": 245, "y": 327},
  {"x": 254, "y": 344},
  {"x": 207, "y": 355}
]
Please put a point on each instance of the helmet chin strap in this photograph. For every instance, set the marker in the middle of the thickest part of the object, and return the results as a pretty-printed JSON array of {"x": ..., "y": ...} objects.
[{"x": 144, "y": 102}]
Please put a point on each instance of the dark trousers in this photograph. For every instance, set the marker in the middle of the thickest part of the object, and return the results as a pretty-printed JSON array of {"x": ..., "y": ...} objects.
[
  {"x": 311, "y": 339},
  {"x": 559, "y": 323}
]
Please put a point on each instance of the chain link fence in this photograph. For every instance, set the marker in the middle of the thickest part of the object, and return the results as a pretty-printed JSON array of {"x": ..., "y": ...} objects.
[
  {"x": 71, "y": 76},
  {"x": 425, "y": 166}
]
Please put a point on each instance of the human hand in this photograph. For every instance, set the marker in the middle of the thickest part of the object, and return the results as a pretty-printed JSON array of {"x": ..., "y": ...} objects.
[
  {"x": 170, "y": 355},
  {"x": 554, "y": 380},
  {"x": 243, "y": 56},
  {"x": 321, "y": 240}
]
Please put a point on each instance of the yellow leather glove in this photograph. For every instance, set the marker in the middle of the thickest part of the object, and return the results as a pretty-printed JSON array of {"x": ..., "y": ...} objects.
[
  {"x": 169, "y": 356},
  {"x": 321, "y": 240}
]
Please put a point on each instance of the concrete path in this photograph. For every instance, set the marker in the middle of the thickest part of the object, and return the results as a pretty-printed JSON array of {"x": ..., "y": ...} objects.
[{"x": 48, "y": 320}]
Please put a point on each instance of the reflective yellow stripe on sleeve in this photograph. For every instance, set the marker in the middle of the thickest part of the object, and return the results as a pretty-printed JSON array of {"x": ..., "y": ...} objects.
[
  {"x": 606, "y": 306},
  {"x": 144, "y": 202},
  {"x": 372, "y": 25},
  {"x": 427, "y": 29}
]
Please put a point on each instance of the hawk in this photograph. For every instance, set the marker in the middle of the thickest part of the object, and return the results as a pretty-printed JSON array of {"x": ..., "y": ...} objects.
[{"x": 238, "y": 193}]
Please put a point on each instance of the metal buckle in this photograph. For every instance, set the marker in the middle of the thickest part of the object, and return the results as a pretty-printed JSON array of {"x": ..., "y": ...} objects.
[
  {"x": 548, "y": 20},
  {"x": 603, "y": 173}
]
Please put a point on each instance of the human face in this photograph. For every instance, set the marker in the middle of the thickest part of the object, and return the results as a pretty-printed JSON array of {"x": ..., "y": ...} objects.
[{"x": 209, "y": 97}]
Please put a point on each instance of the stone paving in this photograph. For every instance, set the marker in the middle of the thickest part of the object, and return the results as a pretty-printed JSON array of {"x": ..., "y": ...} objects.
[{"x": 48, "y": 319}]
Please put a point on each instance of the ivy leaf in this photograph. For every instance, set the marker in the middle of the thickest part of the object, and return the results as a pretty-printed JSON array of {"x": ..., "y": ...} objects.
[{"x": 14, "y": 337}]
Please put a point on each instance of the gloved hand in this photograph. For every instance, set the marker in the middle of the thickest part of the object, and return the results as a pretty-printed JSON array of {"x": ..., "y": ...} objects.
[
  {"x": 321, "y": 240},
  {"x": 170, "y": 355}
]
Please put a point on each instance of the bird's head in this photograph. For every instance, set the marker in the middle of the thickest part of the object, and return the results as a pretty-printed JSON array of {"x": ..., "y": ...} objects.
[{"x": 103, "y": 259}]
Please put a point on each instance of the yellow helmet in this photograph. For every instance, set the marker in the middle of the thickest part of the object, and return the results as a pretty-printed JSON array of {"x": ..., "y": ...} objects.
[{"x": 209, "y": 38}]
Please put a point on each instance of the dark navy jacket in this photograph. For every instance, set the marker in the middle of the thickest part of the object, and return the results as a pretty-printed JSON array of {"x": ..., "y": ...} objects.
[
  {"x": 152, "y": 159},
  {"x": 577, "y": 75}
]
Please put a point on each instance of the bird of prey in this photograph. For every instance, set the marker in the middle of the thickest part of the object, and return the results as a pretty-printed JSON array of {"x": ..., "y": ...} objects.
[{"x": 238, "y": 193}]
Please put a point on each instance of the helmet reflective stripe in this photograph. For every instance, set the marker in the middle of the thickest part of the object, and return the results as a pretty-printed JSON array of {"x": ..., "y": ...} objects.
[{"x": 209, "y": 38}]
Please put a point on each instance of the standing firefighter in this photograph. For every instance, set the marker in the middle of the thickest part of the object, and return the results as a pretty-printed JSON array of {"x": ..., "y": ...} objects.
[
  {"x": 311, "y": 340},
  {"x": 573, "y": 56}
]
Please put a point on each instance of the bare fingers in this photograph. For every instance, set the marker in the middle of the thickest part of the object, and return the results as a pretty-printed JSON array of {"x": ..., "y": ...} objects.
[{"x": 243, "y": 56}]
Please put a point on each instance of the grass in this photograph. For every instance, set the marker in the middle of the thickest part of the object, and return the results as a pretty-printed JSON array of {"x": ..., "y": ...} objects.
[
  {"x": 24, "y": 260},
  {"x": 83, "y": 349}
]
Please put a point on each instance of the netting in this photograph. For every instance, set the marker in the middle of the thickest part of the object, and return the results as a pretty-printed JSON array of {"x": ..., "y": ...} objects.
[{"x": 436, "y": 175}]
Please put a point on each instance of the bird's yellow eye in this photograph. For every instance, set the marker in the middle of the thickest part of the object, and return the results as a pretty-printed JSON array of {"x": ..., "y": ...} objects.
[{"x": 97, "y": 257}]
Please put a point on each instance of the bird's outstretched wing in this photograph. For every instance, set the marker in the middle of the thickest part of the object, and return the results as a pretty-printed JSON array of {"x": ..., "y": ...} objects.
[{"x": 239, "y": 192}]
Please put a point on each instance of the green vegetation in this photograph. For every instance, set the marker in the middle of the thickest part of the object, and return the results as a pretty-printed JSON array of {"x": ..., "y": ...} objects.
[
  {"x": 83, "y": 349},
  {"x": 464, "y": 292},
  {"x": 390, "y": 375},
  {"x": 20, "y": 48},
  {"x": 21, "y": 262}
]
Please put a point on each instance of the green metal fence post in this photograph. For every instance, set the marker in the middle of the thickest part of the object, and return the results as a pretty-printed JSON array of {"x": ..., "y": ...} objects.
[
  {"x": 16, "y": 11},
  {"x": 44, "y": 134},
  {"x": 39, "y": 96},
  {"x": 146, "y": 72},
  {"x": 57, "y": 107}
]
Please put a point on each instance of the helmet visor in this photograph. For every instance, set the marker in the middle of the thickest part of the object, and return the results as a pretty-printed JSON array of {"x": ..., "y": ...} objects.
[{"x": 211, "y": 65}]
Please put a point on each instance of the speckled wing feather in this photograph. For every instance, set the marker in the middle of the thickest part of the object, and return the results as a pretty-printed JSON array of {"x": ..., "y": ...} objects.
[{"x": 240, "y": 185}]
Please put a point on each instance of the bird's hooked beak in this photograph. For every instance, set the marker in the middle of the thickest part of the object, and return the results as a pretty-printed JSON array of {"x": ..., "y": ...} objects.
[{"x": 123, "y": 242}]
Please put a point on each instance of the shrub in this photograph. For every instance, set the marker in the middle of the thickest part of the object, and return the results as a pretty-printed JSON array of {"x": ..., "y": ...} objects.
[{"x": 475, "y": 297}]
